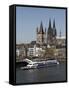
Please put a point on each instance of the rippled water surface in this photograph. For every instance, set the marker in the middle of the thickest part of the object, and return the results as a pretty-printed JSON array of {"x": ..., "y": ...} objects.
[{"x": 48, "y": 74}]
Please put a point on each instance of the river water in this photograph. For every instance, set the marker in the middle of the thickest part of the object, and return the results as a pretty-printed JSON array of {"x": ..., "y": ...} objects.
[{"x": 47, "y": 74}]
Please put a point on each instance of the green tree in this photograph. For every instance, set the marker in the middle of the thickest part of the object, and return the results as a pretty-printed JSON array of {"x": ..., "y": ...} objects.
[{"x": 49, "y": 53}]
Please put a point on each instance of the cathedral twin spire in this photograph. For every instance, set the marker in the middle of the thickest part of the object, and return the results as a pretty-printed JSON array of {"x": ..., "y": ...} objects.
[
  {"x": 51, "y": 33},
  {"x": 54, "y": 23},
  {"x": 52, "y": 30},
  {"x": 50, "y": 23},
  {"x": 41, "y": 27}
]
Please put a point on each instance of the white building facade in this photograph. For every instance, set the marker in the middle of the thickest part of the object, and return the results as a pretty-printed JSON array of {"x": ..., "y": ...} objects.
[{"x": 34, "y": 51}]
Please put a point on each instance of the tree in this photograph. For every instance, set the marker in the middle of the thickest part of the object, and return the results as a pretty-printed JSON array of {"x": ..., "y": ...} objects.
[{"x": 49, "y": 53}]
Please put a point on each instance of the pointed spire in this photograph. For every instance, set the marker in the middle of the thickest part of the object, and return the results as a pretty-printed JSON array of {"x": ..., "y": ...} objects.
[
  {"x": 54, "y": 23},
  {"x": 49, "y": 23},
  {"x": 41, "y": 27},
  {"x": 54, "y": 28}
]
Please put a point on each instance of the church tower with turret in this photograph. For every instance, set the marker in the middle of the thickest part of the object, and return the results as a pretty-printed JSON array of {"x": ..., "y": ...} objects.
[{"x": 41, "y": 35}]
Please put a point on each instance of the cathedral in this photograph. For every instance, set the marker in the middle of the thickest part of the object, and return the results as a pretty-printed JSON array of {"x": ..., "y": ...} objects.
[{"x": 46, "y": 37}]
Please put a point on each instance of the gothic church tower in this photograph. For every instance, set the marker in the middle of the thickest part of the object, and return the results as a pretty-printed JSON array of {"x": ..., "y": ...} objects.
[{"x": 41, "y": 35}]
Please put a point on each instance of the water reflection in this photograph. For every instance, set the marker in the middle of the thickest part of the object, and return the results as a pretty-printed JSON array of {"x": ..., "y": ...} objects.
[{"x": 48, "y": 74}]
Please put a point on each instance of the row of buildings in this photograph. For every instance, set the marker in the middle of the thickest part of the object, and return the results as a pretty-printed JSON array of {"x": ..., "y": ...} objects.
[{"x": 45, "y": 39}]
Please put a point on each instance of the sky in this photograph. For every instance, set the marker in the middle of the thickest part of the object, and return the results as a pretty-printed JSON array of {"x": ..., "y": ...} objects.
[{"x": 29, "y": 18}]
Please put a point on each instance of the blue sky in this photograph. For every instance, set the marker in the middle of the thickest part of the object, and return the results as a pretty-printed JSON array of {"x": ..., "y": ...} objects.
[{"x": 28, "y": 19}]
